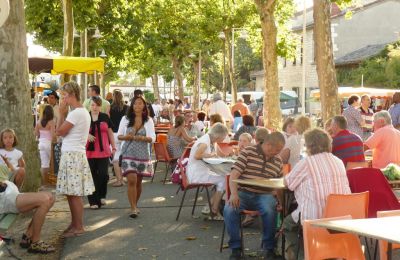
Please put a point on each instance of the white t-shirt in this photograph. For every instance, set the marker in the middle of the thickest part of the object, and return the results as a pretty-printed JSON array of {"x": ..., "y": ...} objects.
[
  {"x": 76, "y": 139},
  {"x": 12, "y": 156},
  {"x": 157, "y": 109}
]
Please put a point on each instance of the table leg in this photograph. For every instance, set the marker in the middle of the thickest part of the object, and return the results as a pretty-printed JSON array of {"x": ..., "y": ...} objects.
[
  {"x": 283, "y": 217},
  {"x": 389, "y": 251}
]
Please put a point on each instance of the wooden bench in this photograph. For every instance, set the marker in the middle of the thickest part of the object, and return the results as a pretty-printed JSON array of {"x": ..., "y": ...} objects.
[{"x": 6, "y": 220}]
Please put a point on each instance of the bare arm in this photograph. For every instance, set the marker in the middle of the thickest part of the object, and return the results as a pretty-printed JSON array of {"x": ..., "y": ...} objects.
[
  {"x": 37, "y": 133},
  {"x": 111, "y": 139},
  {"x": 21, "y": 162},
  {"x": 234, "y": 199},
  {"x": 201, "y": 152},
  {"x": 185, "y": 136},
  {"x": 285, "y": 155}
]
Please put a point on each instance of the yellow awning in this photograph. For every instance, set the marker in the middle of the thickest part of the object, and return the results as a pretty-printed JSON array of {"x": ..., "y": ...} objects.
[{"x": 75, "y": 65}]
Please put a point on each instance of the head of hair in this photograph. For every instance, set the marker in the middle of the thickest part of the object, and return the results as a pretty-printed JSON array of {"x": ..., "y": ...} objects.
[
  {"x": 288, "y": 121},
  {"x": 171, "y": 101},
  {"x": 237, "y": 114},
  {"x": 130, "y": 114},
  {"x": 95, "y": 88},
  {"x": 302, "y": 124},
  {"x": 72, "y": 88},
  {"x": 248, "y": 120},
  {"x": 383, "y": 114},
  {"x": 340, "y": 121},
  {"x": 216, "y": 97},
  {"x": 240, "y": 100},
  {"x": 48, "y": 114},
  {"x": 109, "y": 96},
  {"x": 137, "y": 92},
  {"x": 10, "y": 131},
  {"x": 260, "y": 134},
  {"x": 118, "y": 100},
  {"x": 216, "y": 118},
  {"x": 201, "y": 116},
  {"x": 328, "y": 123},
  {"x": 317, "y": 141},
  {"x": 352, "y": 99},
  {"x": 275, "y": 138},
  {"x": 179, "y": 121},
  {"x": 396, "y": 97},
  {"x": 53, "y": 93},
  {"x": 97, "y": 100},
  {"x": 365, "y": 96},
  {"x": 247, "y": 136},
  {"x": 218, "y": 130}
]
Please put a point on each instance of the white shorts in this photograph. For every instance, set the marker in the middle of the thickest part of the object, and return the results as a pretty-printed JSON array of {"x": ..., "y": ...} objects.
[
  {"x": 118, "y": 147},
  {"x": 9, "y": 199},
  {"x": 45, "y": 153}
]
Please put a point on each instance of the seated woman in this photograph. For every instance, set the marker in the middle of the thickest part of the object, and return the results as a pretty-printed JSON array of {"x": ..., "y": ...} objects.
[
  {"x": 178, "y": 138},
  {"x": 198, "y": 172},
  {"x": 216, "y": 118},
  {"x": 200, "y": 124},
  {"x": 237, "y": 120},
  {"x": 247, "y": 127}
]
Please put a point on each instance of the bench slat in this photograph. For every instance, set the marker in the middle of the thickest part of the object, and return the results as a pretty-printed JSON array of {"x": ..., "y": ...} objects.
[{"x": 7, "y": 220}]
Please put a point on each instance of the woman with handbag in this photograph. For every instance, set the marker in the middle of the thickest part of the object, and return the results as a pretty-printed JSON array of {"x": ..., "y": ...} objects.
[{"x": 136, "y": 130}]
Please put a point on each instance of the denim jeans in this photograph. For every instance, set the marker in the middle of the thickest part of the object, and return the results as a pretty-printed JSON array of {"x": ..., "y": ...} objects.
[{"x": 265, "y": 204}]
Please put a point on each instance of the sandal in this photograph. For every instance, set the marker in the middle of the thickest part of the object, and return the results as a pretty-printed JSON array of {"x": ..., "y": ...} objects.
[
  {"x": 25, "y": 241},
  {"x": 248, "y": 221},
  {"x": 205, "y": 210},
  {"x": 41, "y": 247},
  {"x": 134, "y": 213},
  {"x": 118, "y": 184},
  {"x": 216, "y": 217}
]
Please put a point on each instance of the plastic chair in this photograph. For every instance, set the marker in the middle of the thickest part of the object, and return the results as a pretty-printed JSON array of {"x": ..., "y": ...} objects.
[
  {"x": 225, "y": 148},
  {"x": 353, "y": 165},
  {"x": 286, "y": 168},
  {"x": 242, "y": 213},
  {"x": 234, "y": 142},
  {"x": 355, "y": 205},
  {"x": 320, "y": 244},
  {"x": 187, "y": 186},
  {"x": 162, "y": 138},
  {"x": 381, "y": 196},
  {"x": 383, "y": 245},
  {"x": 162, "y": 155}
]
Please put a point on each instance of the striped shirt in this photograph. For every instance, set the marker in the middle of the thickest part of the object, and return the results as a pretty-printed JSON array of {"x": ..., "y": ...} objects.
[
  {"x": 354, "y": 120},
  {"x": 253, "y": 164},
  {"x": 312, "y": 180},
  {"x": 368, "y": 117},
  {"x": 348, "y": 147}
]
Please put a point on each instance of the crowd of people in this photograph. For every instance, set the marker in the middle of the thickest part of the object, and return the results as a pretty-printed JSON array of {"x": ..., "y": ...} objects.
[{"x": 96, "y": 132}]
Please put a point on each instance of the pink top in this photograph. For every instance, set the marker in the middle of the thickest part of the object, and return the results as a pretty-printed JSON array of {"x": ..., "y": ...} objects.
[
  {"x": 385, "y": 145},
  {"x": 97, "y": 153}
]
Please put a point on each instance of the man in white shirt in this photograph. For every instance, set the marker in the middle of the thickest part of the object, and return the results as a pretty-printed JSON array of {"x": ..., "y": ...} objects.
[
  {"x": 157, "y": 108},
  {"x": 219, "y": 107}
]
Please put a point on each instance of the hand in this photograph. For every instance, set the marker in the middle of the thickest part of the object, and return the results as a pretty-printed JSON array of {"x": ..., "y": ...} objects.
[
  {"x": 234, "y": 201},
  {"x": 63, "y": 107},
  {"x": 113, "y": 150},
  {"x": 91, "y": 138},
  {"x": 212, "y": 155}
]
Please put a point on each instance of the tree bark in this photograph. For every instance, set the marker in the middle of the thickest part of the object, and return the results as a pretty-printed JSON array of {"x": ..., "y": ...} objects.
[
  {"x": 324, "y": 58},
  {"x": 195, "y": 101},
  {"x": 68, "y": 38},
  {"x": 272, "y": 112},
  {"x": 154, "y": 81},
  {"x": 15, "y": 99},
  {"x": 231, "y": 67},
  {"x": 176, "y": 66}
]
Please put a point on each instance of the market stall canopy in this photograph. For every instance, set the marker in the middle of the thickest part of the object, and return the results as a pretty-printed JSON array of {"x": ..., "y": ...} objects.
[
  {"x": 63, "y": 64},
  {"x": 345, "y": 92}
]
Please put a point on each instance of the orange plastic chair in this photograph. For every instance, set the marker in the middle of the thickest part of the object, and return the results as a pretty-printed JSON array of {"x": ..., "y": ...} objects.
[
  {"x": 353, "y": 165},
  {"x": 355, "y": 205},
  {"x": 286, "y": 168},
  {"x": 162, "y": 155},
  {"x": 187, "y": 186},
  {"x": 383, "y": 245},
  {"x": 162, "y": 138},
  {"x": 234, "y": 142},
  {"x": 320, "y": 244},
  {"x": 242, "y": 213},
  {"x": 225, "y": 148}
]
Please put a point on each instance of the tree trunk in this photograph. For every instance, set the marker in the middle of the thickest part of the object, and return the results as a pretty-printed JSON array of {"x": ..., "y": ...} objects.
[
  {"x": 15, "y": 99},
  {"x": 223, "y": 73},
  {"x": 195, "y": 93},
  {"x": 272, "y": 112},
  {"x": 176, "y": 66},
  {"x": 231, "y": 68},
  {"x": 324, "y": 57},
  {"x": 68, "y": 38},
  {"x": 154, "y": 81}
]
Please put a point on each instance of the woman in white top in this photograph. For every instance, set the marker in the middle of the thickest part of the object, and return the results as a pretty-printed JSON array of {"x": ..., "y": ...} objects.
[
  {"x": 197, "y": 170},
  {"x": 74, "y": 176},
  {"x": 45, "y": 131}
]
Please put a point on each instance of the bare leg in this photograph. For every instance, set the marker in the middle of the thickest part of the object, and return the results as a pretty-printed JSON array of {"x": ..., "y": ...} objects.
[
  {"x": 132, "y": 190},
  {"x": 118, "y": 173},
  {"x": 44, "y": 172},
  {"x": 40, "y": 202},
  {"x": 19, "y": 177},
  {"x": 76, "y": 207},
  {"x": 215, "y": 201},
  {"x": 138, "y": 187}
]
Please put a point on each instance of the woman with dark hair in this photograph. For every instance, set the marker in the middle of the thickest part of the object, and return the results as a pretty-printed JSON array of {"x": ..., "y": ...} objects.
[
  {"x": 237, "y": 120},
  {"x": 355, "y": 122},
  {"x": 136, "y": 130},
  {"x": 117, "y": 112},
  {"x": 178, "y": 138},
  {"x": 247, "y": 127},
  {"x": 288, "y": 127},
  {"x": 394, "y": 110}
]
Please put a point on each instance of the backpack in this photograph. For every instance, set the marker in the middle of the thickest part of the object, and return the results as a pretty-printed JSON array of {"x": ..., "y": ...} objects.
[{"x": 176, "y": 174}]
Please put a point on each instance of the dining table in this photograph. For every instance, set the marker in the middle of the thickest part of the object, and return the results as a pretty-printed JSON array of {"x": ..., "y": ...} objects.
[
  {"x": 385, "y": 228},
  {"x": 220, "y": 166}
]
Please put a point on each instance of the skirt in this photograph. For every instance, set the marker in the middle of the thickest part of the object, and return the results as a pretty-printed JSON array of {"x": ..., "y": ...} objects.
[
  {"x": 137, "y": 166},
  {"x": 74, "y": 176}
]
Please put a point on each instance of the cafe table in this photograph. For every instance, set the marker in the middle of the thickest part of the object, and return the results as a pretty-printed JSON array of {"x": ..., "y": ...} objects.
[
  {"x": 220, "y": 166},
  {"x": 386, "y": 228}
]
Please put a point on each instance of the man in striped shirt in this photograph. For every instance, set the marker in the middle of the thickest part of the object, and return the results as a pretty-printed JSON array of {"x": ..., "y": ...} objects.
[
  {"x": 346, "y": 145},
  {"x": 368, "y": 115},
  {"x": 255, "y": 162}
]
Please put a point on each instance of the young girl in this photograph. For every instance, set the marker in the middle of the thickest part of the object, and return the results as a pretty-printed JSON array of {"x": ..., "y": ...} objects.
[
  {"x": 45, "y": 131},
  {"x": 12, "y": 156}
]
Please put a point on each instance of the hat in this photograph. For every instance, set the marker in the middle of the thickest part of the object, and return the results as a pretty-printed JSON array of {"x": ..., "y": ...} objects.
[{"x": 53, "y": 93}]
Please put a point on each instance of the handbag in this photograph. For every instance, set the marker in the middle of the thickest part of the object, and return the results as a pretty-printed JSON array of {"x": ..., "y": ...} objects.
[{"x": 120, "y": 156}]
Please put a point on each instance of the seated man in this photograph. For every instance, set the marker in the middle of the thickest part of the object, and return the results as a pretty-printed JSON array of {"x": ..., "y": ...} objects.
[
  {"x": 312, "y": 180},
  {"x": 255, "y": 162},
  {"x": 385, "y": 142},
  {"x": 11, "y": 201},
  {"x": 346, "y": 145}
]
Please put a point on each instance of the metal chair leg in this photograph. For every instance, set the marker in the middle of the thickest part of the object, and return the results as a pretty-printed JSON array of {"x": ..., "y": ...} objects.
[
  {"x": 166, "y": 171},
  {"x": 208, "y": 198},
  {"x": 180, "y": 207},
  {"x": 222, "y": 238},
  {"x": 195, "y": 200},
  {"x": 179, "y": 188},
  {"x": 155, "y": 168}
]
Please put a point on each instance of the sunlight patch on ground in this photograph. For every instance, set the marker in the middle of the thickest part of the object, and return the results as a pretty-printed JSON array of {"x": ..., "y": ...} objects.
[
  {"x": 101, "y": 223},
  {"x": 167, "y": 227},
  {"x": 159, "y": 199}
]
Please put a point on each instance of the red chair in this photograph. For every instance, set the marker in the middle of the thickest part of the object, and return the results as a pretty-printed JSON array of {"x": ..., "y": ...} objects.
[
  {"x": 242, "y": 213},
  {"x": 187, "y": 186},
  {"x": 381, "y": 196},
  {"x": 162, "y": 155},
  {"x": 162, "y": 138},
  {"x": 225, "y": 148}
]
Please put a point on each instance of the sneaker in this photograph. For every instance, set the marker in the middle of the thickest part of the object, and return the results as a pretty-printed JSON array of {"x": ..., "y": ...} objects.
[
  {"x": 205, "y": 210},
  {"x": 269, "y": 254},
  {"x": 236, "y": 254}
]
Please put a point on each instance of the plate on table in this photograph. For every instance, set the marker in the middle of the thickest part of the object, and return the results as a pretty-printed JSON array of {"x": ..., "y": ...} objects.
[{"x": 218, "y": 160}]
